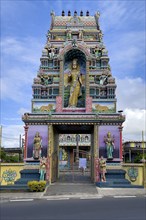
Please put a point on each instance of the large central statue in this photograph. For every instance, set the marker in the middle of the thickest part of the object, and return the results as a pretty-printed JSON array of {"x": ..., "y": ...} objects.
[{"x": 75, "y": 78}]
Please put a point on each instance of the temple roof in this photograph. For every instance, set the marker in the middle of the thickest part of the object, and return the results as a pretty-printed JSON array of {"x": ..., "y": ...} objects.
[{"x": 84, "y": 20}]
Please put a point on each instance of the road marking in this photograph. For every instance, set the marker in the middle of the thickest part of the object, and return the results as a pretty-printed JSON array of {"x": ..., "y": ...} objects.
[
  {"x": 21, "y": 200},
  {"x": 124, "y": 197},
  {"x": 99, "y": 197},
  {"x": 58, "y": 198}
]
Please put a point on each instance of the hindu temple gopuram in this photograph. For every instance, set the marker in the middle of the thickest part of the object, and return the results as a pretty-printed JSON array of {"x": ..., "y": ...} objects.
[{"x": 74, "y": 120}]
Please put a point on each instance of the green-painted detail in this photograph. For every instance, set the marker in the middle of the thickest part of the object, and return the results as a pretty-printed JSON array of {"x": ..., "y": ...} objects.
[{"x": 9, "y": 176}]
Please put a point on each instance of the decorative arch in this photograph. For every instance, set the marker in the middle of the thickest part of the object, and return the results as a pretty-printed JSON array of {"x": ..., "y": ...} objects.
[
  {"x": 74, "y": 53},
  {"x": 82, "y": 47}
]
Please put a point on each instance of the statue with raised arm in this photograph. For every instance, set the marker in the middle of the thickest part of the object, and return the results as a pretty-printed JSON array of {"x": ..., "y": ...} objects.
[{"x": 75, "y": 78}]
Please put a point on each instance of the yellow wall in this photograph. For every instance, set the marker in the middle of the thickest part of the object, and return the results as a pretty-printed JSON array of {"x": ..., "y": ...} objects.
[
  {"x": 10, "y": 169},
  {"x": 140, "y": 167}
]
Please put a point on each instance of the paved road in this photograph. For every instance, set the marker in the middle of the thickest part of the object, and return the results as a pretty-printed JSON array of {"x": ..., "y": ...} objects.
[{"x": 104, "y": 208}]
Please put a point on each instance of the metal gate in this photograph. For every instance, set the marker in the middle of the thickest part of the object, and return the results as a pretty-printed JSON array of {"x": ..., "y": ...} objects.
[{"x": 80, "y": 169}]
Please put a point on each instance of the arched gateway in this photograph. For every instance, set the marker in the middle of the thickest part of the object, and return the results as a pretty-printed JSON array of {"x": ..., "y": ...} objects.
[{"x": 73, "y": 120}]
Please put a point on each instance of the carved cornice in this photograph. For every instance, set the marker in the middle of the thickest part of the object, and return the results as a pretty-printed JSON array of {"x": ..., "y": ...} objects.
[{"x": 75, "y": 119}]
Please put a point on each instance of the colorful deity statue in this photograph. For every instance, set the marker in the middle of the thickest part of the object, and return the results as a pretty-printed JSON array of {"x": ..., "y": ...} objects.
[
  {"x": 102, "y": 79},
  {"x": 96, "y": 51},
  {"x": 42, "y": 169},
  {"x": 37, "y": 146},
  {"x": 109, "y": 141},
  {"x": 102, "y": 165},
  {"x": 100, "y": 35},
  {"x": 80, "y": 34},
  {"x": 51, "y": 51},
  {"x": 75, "y": 78},
  {"x": 68, "y": 35}
]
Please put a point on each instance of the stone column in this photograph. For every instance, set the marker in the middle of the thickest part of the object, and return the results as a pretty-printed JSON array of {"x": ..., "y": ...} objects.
[
  {"x": 87, "y": 79},
  {"x": 26, "y": 141},
  {"x": 96, "y": 147},
  {"x": 48, "y": 169},
  {"x": 49, "y": 156},
  {"x": 96, "y": 155},
  {"x": 61, "y": 79},
  {"x": 121, "y": 146},
  {"x": 77, "y": 150},
  {"x": 59, "y": 104}
]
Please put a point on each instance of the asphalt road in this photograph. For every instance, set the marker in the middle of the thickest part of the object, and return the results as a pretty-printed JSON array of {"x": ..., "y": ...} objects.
[{"x": 106, "y": 208}]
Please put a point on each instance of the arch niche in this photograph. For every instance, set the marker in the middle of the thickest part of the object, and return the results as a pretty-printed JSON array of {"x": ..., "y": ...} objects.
[{"x": 68, "y": 84}]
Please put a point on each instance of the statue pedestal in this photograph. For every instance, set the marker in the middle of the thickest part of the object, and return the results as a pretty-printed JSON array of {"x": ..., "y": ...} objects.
[{"x": 31, "y": 163}]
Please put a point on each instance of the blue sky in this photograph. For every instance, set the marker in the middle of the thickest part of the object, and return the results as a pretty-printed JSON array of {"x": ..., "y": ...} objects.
[{"x": 24, "y": 25}]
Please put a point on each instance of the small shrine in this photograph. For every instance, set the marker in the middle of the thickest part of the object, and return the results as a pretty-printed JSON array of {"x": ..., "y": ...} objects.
[{"x": 74, "y": 119}]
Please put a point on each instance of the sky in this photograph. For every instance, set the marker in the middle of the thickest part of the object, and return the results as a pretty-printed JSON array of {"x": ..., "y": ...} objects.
[{"x": 24, "y": 25}]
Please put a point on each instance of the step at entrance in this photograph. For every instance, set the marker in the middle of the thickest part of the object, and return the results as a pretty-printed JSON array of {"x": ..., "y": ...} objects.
[
  {"x": 71, "y": 189},
  {"x": 76, "y": 176},
  {"x": 115, "y": 178}
]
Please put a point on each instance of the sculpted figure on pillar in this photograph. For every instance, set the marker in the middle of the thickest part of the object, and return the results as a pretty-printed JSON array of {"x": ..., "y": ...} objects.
[
  {"x": 80, "y": 34},
  {"x": 69, "y": 37},
  {"x": 42, "y": 169},
  {"x": 109, "y": 142},
  {"x": 37, "y": 146}
]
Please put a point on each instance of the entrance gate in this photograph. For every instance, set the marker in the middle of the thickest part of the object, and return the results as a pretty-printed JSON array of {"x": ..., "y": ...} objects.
[{"x": 79, "y": 170}]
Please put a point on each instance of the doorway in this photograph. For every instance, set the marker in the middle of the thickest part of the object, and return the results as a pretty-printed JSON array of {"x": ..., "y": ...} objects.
[{"x": 74, "y": 158}]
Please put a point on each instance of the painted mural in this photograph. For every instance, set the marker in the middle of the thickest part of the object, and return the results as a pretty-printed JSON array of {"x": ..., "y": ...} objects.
[
  {"x": 9, "y": 176},
  {"x": 109, "y": 107},
  {"x": 10, "y": 172},
  {"x": 109, "y": 142},
  {"x": 43, "y": 107},
  {"x": 43, "y": 136},
  {"x": 71, "y": 84}
]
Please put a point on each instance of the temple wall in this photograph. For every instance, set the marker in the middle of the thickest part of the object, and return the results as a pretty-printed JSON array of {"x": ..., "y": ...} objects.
[
  {"x": 102, "y": 132},
  {"x": 135, "y": 173},
  {"x": 10, "y": 172},
  {"x": 43, "y": 131}
]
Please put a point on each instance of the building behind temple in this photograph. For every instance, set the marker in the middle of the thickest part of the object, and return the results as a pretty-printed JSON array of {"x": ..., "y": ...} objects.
[{"x": 74, "y": 113}]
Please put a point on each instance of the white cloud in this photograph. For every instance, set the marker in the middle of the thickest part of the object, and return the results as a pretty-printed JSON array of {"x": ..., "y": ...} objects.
[
  {"x": 126, "y": 52},
  {"x": 134, "y": 124},
  {"x": 27, "y": 50},
  {"x": 11, "y": 135},
  {"x": 21, "y": 111},
  {"x": 131, "y": 93},
  {"x": 16, "y": 83},
  {"x": 20, "y": 63},
  {"x": 132, "y": 100},
  {"x": 12, "y": 119},
  {"x": 115, "y": 14}
]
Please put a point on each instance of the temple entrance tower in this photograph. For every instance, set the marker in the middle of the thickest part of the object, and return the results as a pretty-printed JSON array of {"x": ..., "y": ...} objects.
[{"x": 73, "y": 96}]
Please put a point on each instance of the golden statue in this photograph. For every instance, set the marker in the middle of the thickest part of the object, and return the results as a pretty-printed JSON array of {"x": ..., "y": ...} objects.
[
  {"x": 75, "y": 78},
  {"x": 37, "y": 146}
]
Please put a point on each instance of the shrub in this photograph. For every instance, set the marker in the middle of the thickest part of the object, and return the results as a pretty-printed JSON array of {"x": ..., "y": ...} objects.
[{"x": 36, "y": 186}]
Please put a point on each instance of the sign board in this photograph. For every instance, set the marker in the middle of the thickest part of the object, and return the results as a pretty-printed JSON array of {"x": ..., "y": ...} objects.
[{"x": 82, "y": 163}]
